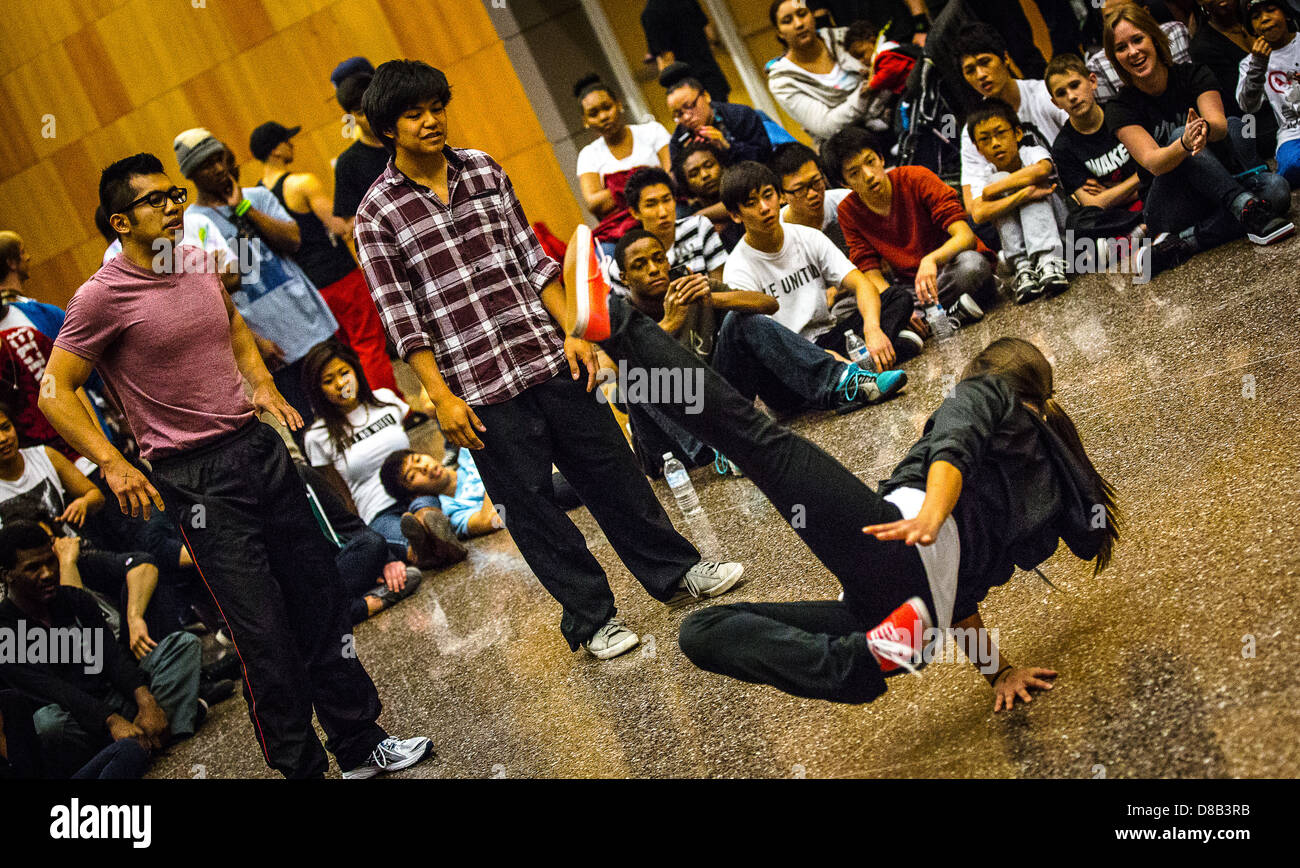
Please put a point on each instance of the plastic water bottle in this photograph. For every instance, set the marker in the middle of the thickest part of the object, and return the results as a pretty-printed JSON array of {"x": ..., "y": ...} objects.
[
  {"x": 680, "y": 482},
  {"x": 856, "y": 349},
  {"x": 941, "y": 325}
]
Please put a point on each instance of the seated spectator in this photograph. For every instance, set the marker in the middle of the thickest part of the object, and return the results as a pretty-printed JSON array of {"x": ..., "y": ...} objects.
[
  {"x": 21, "y": 757},
  {"x": 605, "y": 164},
  {"x": 908, "y": 221},
  {"x": 459, "y": 489},
  {"x": 1272, "y": 70},
  {"x": 1221, "y": 43},
  {"x": 798, "y": 266},
  {"x": 1171, "y": 119},
  {"x": 1014, "y": 190},
  {"x": 728, "y": 330},
  {"x": 818, "y": 82},
  {"x": 737, "y": 131},
  {"x": 692, "y": 243},
  {"x": 698, "y": 171},
  {"x": 1095, "y": 169},
  {"x": 356, "y": 429},
  {"x": 1108, "y": 80},
  {"x": 104, "y": 697},
  {"x": 373, "y": 571},
  {"x": 803, "y": 189},
  {"x": 888, "y": 66},
  {"x": 39, "y": 484},
  {"x": 982, "y": 53}
]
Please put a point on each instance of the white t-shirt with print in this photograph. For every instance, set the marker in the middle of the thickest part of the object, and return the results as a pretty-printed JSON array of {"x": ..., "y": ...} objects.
[
  {"x": 377, "y": 432},
  {"x": 1281, "y": 87},
  {"x": 647, "y": 139},
  {"x": 797, "y": 277},
  {"x": 1036, "y": 107},
  {"x": 982, "y": 175}
]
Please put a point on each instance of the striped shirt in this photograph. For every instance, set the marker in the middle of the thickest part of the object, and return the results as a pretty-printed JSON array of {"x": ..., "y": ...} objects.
[
  {"x": 696, "y": 246},
  {"x": 462, "y": 279}
]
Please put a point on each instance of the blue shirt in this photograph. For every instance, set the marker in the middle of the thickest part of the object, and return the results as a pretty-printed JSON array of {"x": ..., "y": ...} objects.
[
  {"x": 275, "y": 297},
  {"x": 469, "y": 495}
]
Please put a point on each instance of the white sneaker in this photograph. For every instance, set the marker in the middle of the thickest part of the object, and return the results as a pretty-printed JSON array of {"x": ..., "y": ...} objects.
[
  {"x": 391, "y": 755},
  {"x": 707, "y": 579},
  {"x": 611, "y": 640}
]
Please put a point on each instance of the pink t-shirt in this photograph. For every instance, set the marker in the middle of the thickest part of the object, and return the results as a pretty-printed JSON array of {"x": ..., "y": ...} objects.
[{"x": 162, "y": 344}]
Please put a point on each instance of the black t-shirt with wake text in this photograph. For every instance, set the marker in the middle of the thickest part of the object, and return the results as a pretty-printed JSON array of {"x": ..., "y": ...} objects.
[{"x": 1099, "y": 156}]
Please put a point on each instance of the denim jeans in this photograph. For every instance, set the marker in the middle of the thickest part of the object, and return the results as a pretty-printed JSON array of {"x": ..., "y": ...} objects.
[
  {"x": 388, "y": 523},
  {"x": 759, "y": 357},
  {"x": 1201, "y": 198},
  {"x": 808, "y": 649},
  {"x": 1288, "y": 161},
  {"x": 173, "y": 671}
]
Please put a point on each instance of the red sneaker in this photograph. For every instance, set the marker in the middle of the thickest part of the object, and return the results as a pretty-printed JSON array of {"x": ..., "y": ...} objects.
[
  {"x": 897, "y": 641},
  {"x": 586, "y": 292}
]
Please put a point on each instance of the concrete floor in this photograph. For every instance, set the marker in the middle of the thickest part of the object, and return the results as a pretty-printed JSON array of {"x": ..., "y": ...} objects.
[{"x": 1179, "y": 661}]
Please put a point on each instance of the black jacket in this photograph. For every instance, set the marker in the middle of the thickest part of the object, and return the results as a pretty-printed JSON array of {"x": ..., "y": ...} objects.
[
  {"x": 1023, "y": 491},
  {"x": 67, "y": 684},
  {"x": 741, "y": 126}
]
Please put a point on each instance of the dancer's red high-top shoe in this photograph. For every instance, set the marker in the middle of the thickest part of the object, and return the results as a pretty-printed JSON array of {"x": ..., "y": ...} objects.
[{"x": 586, "y": 292}]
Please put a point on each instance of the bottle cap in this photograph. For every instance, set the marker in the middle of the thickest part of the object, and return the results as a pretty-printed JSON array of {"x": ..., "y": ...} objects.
[{"x": 668, "y": 456}]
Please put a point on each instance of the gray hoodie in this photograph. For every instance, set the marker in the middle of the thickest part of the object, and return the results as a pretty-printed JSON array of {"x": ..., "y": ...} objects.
[{"x": 822, "y": 110}]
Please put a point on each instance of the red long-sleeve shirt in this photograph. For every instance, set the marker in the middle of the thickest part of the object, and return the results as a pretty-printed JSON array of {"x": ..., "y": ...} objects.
[{"x": 917, "y": 224}]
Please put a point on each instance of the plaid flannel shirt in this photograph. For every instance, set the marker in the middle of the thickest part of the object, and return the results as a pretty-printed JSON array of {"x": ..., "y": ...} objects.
[{"x": 462, "y": 279}]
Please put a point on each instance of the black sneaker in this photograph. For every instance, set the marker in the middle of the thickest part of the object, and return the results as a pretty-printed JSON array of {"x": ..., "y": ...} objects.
[
  {"x": 212, "y": 692},
  {"x": 1261, "y": 226},
  {"x": 967, "y": 309},
  {"x": 1166, "y": 252}
]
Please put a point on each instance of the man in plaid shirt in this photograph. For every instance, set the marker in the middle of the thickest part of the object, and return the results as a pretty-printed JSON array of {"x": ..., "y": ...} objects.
[{"x": 472, "y": 303}]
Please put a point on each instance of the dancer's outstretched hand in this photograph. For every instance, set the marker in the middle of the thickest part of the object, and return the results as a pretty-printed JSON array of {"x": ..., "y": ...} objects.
[
  {"x": 1016, "y": 681},
  {"x": 911, "y": 531}
]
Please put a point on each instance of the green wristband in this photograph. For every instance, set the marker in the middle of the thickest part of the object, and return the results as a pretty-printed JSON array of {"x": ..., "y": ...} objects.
[{"x": 243, "y": 208}]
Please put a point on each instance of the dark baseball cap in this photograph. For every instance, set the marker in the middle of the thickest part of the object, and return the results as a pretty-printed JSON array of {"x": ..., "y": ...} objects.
[
  {"x": 348, "y": 68},
  {"x": 264, "y": 139}
]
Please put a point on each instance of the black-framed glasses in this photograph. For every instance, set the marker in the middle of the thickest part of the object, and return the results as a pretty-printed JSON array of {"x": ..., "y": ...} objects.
[
  {"x": 687, "y": 109},
  {"x": 818, "y": 183},
  {"x": 158, "y": 198}
]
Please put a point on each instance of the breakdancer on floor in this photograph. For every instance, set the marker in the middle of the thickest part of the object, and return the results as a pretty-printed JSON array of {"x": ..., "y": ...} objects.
[{"x": 998, "y": 478}]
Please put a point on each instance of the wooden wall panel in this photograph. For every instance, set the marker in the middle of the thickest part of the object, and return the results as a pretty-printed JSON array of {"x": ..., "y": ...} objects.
[{"x": 124, "y": 76}]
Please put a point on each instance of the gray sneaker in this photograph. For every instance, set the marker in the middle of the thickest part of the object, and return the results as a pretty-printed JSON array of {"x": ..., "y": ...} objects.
[
  {"x": 611, "y": 640},
  {"x": 1052, "y": 277},
  {"x": 391, "y": 755},
  {"x": 707, "y": 579},
  {"x": 1025, "y": 287}
]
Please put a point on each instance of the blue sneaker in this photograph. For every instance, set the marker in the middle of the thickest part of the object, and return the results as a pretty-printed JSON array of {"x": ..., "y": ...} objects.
[{"x": 858, "y": 387}]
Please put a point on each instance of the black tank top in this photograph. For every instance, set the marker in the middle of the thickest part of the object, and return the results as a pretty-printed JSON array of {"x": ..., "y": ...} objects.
[{"x": 324, "y": 260}]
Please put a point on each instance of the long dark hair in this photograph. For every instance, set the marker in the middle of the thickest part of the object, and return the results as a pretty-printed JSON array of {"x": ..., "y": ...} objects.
[
  {"x": 1026, "y": 370},
  {"x": 336, "y": 421}
]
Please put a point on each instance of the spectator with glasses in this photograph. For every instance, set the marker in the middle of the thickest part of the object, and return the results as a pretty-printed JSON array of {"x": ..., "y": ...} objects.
[{"x": 737, "y": 131}]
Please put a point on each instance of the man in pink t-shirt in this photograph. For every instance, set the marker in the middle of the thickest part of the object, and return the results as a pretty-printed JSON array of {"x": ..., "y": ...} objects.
[{"x": 174, "y": 352}]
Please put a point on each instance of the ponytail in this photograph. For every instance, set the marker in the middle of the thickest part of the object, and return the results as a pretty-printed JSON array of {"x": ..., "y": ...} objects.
[{"x": 1024, "y": 368}]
